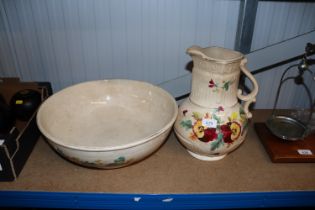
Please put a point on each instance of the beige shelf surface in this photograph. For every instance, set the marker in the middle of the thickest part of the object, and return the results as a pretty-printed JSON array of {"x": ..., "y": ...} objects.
[{"x": 169, "y": 170}]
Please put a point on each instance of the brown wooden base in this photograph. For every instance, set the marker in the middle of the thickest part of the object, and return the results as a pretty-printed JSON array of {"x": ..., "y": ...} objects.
[{"x": 284, "y": 151}]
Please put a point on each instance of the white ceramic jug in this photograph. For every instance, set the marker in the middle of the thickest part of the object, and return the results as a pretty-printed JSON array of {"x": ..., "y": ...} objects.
[{"x": 211, "y": 122}]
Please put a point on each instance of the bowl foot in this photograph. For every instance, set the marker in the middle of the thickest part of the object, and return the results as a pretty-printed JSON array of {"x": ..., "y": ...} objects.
[{"x": 206, "y": 158}]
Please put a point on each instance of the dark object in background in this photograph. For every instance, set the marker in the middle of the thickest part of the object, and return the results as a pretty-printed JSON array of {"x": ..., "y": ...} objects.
[
  {"x": 8, "y": 139},
  {"x": 6, "y": 117},
  {"x": 17, "y": 145},
  {"x": 24, "y": 103}
]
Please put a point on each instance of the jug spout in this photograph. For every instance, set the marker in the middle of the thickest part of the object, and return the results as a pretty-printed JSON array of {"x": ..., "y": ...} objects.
[
  {"x": 215, "y": 54},
  {"x": 196, "y": 51}
]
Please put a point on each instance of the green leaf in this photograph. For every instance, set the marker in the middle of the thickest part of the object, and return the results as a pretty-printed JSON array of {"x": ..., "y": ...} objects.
[
  {"x": 220, "y": 136},
  {"x": 120, "y": 160},
  {"x": 242, "y": 112},
  {"x": 226, "y": 86},
  {"x": 244, "y": 127},
  {"x": 215, "y": 145},
  {"x": 216, "y": 118},
  {"x": 187, "y": 124}
]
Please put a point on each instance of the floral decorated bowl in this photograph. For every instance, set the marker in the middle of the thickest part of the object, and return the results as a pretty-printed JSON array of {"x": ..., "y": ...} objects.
[{"x": 107, "y": 123}]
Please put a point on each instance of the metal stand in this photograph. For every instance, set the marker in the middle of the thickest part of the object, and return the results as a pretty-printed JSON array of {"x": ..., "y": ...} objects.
[{"x": 285, "y": 127}]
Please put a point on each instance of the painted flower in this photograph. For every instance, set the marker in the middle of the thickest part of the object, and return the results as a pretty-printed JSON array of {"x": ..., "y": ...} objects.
[
  {"x": 202, "y": 133},
  {"x": 192, "y": 136},
  {"x": 210, "y": 134},
  {"x": 220, "y": 109},
  {"x": 198, "y": 129},
  {"x": 227, "y": 132},
  {"x": 225, "y": 85},
  {"x": 236, "y": 130},
  {"x": 234, "y": 116},
  {"x": 231, "y": 131},
  {"x": 211, "y": 83}
]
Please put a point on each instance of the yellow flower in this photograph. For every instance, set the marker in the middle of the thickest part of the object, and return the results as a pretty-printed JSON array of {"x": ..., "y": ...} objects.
[
  {"x": 198, "y": 129},
  {"x": 234, "y": 116},
  {"x": 236, "y": 130}
]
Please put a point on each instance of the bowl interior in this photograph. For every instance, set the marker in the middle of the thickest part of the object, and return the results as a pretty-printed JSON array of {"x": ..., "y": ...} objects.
[{"x": 106, "y": 114}]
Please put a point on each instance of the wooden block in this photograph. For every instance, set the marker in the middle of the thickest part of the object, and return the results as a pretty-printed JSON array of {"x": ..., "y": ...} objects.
[{"x": 284, "y": 151}]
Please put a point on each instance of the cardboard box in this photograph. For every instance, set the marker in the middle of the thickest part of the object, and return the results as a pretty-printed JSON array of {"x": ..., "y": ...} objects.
[{"x": 17, "y": 145}]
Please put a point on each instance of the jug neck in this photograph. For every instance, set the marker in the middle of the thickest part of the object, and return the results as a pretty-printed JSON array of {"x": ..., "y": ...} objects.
[{"x": 215, "y": 76}]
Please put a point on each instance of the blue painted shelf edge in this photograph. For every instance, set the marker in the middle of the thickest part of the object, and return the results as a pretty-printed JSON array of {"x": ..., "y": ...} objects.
[{"x": 229, "y": 200}]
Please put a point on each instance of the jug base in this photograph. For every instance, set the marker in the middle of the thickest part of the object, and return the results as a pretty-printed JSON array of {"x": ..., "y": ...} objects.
[{"x": 206, "y": 158}]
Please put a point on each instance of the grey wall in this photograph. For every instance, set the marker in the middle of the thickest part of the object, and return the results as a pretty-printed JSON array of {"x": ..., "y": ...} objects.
[
  {"x": 69, "y": 41},
  {"x": 277, "y": 22}
]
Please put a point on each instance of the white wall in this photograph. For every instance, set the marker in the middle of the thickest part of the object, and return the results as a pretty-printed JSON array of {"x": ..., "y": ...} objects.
[{"x": 69, "y": 41}]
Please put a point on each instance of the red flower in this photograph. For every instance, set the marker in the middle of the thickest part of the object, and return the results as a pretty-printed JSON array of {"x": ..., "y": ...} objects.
[
  {"x": 210, "y": 135},
  {"x": 184, "y": 112},
  {"x": 227, "y": 132},
  {"x": 211, "y": 83},
  {"x": 220, "y": 108}
]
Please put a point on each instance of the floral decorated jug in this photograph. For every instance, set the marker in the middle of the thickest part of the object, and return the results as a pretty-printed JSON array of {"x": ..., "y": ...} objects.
[{"x": 211, "y": 122}]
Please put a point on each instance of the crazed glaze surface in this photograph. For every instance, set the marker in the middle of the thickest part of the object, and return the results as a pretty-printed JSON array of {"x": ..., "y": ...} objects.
[
  {"x": 211, "y": 122},
  {"x": 108, "y": 123}
]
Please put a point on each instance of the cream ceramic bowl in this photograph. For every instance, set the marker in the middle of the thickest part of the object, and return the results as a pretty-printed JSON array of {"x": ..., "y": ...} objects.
[{"x": 108, "y": 123}]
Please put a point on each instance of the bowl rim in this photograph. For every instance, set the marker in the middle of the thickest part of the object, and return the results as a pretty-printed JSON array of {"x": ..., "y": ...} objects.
[{"x": 54, "y": 140}]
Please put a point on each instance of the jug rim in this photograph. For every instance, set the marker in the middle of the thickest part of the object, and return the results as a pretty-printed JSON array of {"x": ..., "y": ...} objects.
[{"x": 216, "y": 54}]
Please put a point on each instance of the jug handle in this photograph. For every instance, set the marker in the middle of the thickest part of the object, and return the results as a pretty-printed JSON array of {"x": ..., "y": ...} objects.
[{"x": 251, "y": 97}]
